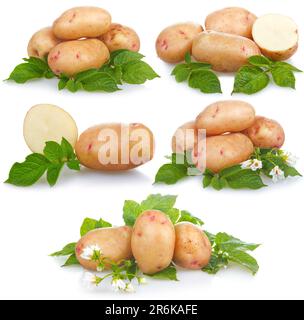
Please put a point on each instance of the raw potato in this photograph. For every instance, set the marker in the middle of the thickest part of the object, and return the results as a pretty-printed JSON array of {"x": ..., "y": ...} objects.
[
  {"x": 121, "y": 37},
  {"x": 192, "y": 247},
  {"x": 224, "y": 151},
  {"x": 115, "y": 147},
  {"x": 72, "y": 57},
  {"x": 266, "y": 133},
  {"x": 175, "y": 41},
  {"x": 185, "y": 138},
  {"x": 232, "y": 20},
  {"x": 115, "y": 245},
  {"x": 82, "y": 22},
  {"x": 46, "y": 122},
  {"x": 226, "y": 116},
  {"x": 41, "y": 43},
  {"x": 153, "y": 242},
  {"x": 225, "y": 52},
  {"x": 277, "y": 36}
]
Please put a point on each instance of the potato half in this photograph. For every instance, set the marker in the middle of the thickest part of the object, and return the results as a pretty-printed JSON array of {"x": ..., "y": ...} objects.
[
  {"x": 276, "y": 35},
  {"x": 46, "y": 122}
]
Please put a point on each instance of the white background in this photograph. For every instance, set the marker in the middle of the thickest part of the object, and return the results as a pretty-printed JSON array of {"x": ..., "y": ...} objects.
[{"x": 37, "y": 221}]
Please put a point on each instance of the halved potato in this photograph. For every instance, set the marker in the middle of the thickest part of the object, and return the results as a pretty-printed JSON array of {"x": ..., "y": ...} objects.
[
  {"x": 276, "y": 35},
  {"x": 46, "y": 122}
]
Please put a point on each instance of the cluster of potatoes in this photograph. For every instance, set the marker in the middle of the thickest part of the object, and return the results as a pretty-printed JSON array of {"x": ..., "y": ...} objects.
[
  {"x": 232, "y": 132},
  {"x": 154, "y": 242},
  {"x": 81, "y": 38},
  {"x": 230, "y": 37},
  {"x": 46, "y": 122}
]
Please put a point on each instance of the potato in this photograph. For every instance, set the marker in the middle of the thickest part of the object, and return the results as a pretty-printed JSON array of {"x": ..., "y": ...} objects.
[
  {"x": 46, "y": 122},
  {"x": 175, "y": 41},
  {"x": 225, "y": 52},
  {"x": 114, "y": 244},
  {"x": 192, "y": 247},
  {"x": 232, "y": 20},
  {"x": 226, "y": 116},
  {"x": 153, "y": 241},
  {"x": 266, "y": 133},
  {"x": 82, "y": 22},
  {"x": 276, "y": 35},
  {"x": 222, "y": 152},
  {"x": 115, "y": 147},
  {"x": 185, "y": 138},
  {"x": 72, "y": 57},
  {"x": 121, "y": 37},
  {"x": 41, "y": 43}
]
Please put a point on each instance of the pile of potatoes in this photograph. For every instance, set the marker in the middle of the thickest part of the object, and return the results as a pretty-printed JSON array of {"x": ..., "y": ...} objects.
[
  {"x": 154, "y": 242},
  {"x": 81, "y": 39},
  {"x": 105, "y": 147},
  {"x": 230, "y": 37},
  {"x": 232, "y": 132}
]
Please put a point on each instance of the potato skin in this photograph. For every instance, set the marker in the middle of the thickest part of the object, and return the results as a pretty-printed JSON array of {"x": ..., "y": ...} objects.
[
  {"x": 153, "y": 241},
  {"x": 184, "y": 140},
  {"x": 266, "y": 133},
  {"x": 41, "y": 43},
  {"x": 115, "y": 245},
  {"x": 121, "y": 37},
  {"x": 225, "y": 52},
  {"x": 90, "y": 148},
  {"x": 192, "y": 247},
  {"x": 82, "y": 22},
  {"x": 231, "y": 20},
  {"x": 72, "y": 57},
  {"x": 226, "y": 116},
  {"x": 224, "y": 151},
  {"x": 280, "y": 55},
  {"x": 175, "y": 41}
]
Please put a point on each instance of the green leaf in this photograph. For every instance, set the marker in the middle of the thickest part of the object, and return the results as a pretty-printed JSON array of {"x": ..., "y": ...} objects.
[
  {"x": 291, "y": 172},
  {"x": 207, "y": 180},
  {"x": 283, "y": 77},
  {"x": 62, "y": 84},
  {"x": 66, "y": 251},
  {"x": 131, "y": 212},
  {"x": 126, "y": 56},
  {"x": 53, "y": 173},
  {"x": 216, "y": 263},
  {"x": 174, "y": 215},
  {"x": 29, "y": 172},
  {"x": 188, "y": 57},
  {"x": 168, "y": 274},
  {"x": 245, "y": 260},
  {"x": 102, "y": 81},
  {"x": 159, "y": 202},
  {"x": 186, "y": 216},
  {"x": 245, "y": 179},
  {"x": 250, "y": 80},
  {"x": 218, "y": 183},
  {"x": 53, "y": 152},
  {"x": 138, "y": 72},
  {"x": 72, "y": 261},
  {"x": 171, "y": 173},
  {"x": 92, "y": 224},
  {"x": 67, "y": 150},
  {"x": 286, "y": 65},
  {"x": 88, "y": 75},
  {"x": 229, "y": 243},
  {"x": 74, "y": 165},
  {"x": 182, "y": 71},
  {"x": 205, "y": 80},
  {"x": 259, "y": 61},
  {"x": 73, "y": 86}
]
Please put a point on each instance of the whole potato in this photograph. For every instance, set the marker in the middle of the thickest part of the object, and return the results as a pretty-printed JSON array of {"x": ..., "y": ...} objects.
[
  {"x": 72, "y": 57},
  {"x": 82, "y": 22},
  {"x": 115, "y": 147},
  {"x": 225, "y": 52},
  {"x": 192, "y": 247},
  {"x": 266, "y": 133},
  {"x": 114, "y": 244},
  {"x": 231, "y": 20},
  {"x": 153, "y": 241},
  {"x": 226, "y": 116},
  {"x": 185, "y": 138},
  {"x": 121, "y": 37},
  {"x": 41, "y": 43},
  {"x": 223, "y": 152},
  {"x": 175, "y": 41}
]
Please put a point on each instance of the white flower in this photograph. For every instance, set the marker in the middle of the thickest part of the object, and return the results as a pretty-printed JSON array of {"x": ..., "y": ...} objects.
[
  {"x": 142, "y": 280},
  {"x": 119, "y": 285},
  {"x": 89, "y": 252},
  {"x": 254, "y": 164},
  {"x": 290, "y": 159},
  {"x": 129, "y": 288},
  {"x": 277, "y": 174},
  {"x": 90, "y": 279},
  {"x": 100, "y": 269}
]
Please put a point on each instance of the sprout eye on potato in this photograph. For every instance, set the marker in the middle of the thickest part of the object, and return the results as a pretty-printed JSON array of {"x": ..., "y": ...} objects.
[{"x": 175, "y": 41}]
